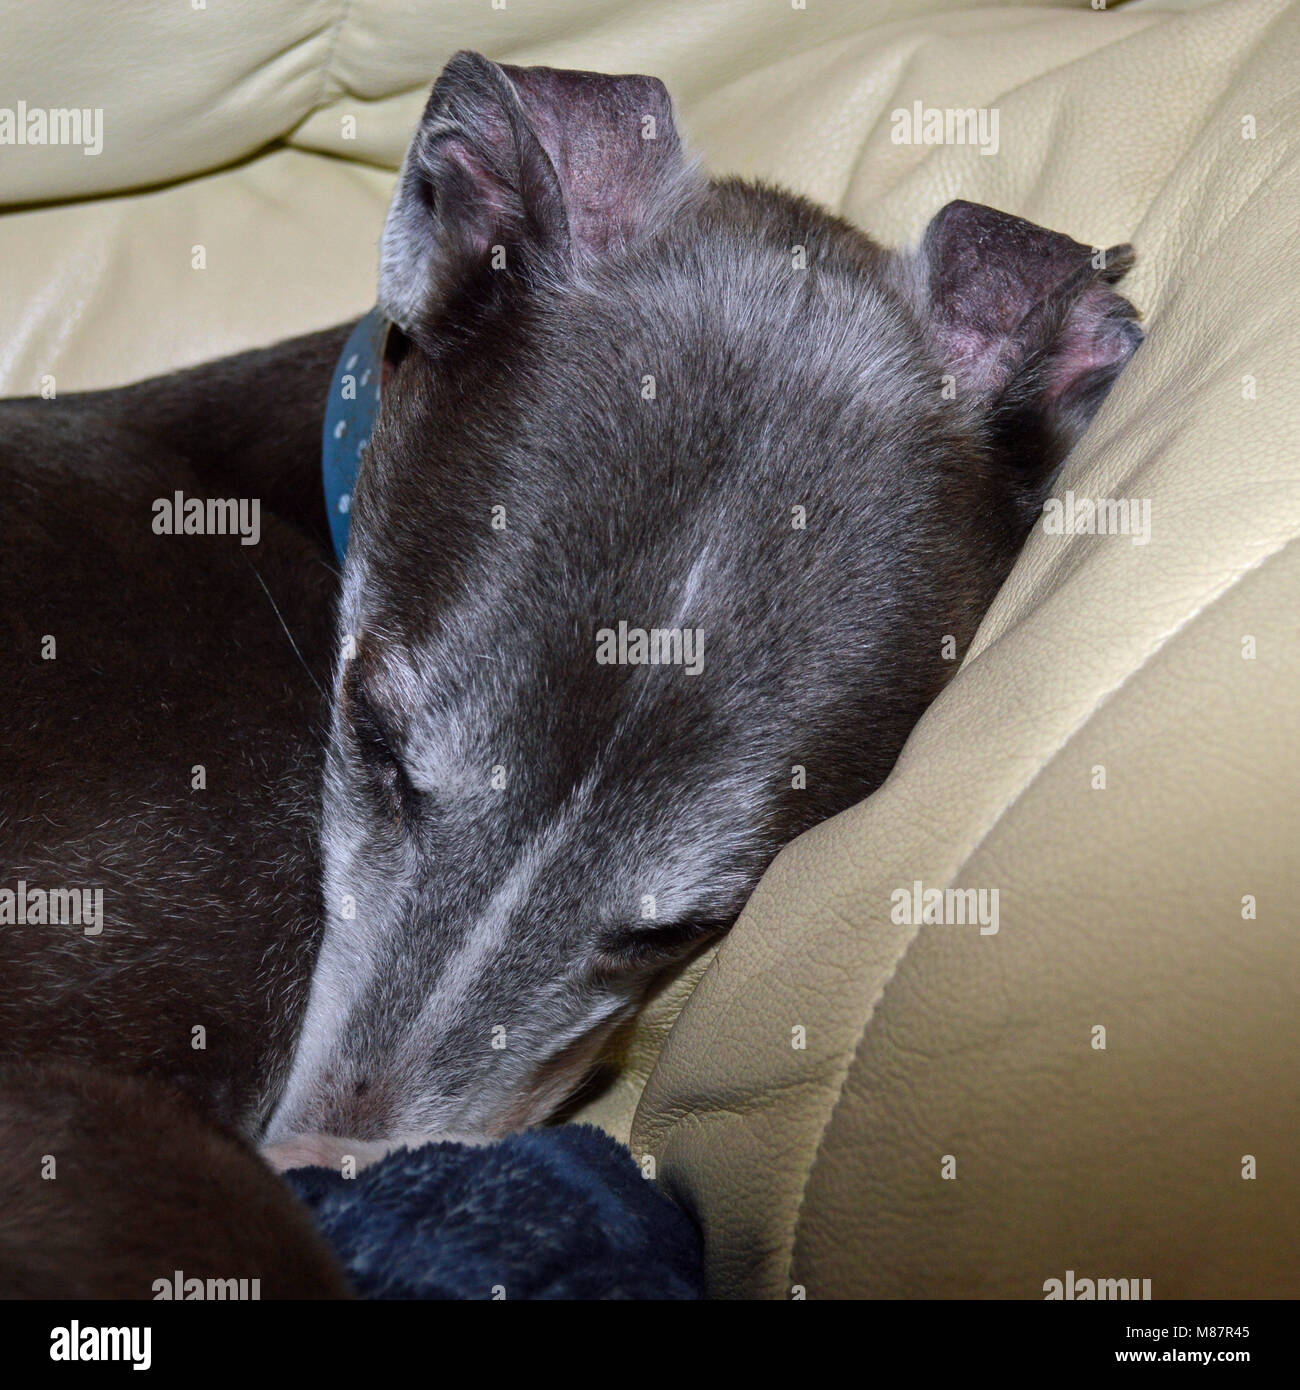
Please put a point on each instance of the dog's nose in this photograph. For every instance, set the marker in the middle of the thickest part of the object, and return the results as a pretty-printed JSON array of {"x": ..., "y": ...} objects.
[
  {"x": 323, "y": 1151},
  {"x": 361, "y": 1107}
]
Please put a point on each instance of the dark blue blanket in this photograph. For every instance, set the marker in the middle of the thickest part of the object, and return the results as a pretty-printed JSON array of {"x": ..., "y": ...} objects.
[{"x": 550, "y": 1213}]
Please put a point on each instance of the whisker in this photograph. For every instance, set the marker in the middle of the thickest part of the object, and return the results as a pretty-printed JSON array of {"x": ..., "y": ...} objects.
[{"x": 275, "y": 609}]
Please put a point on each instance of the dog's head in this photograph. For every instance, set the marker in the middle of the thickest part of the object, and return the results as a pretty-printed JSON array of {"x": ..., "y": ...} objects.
[{"x": 683, "y": 500}]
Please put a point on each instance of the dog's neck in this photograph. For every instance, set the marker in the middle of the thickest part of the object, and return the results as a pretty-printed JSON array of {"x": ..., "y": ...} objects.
[{"x": 350, "y": 411}]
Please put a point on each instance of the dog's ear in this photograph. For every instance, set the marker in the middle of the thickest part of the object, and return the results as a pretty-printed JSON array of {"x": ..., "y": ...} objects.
[
  {"x": 1025, "y": 320},
  {"x": 521, "y": 172}
]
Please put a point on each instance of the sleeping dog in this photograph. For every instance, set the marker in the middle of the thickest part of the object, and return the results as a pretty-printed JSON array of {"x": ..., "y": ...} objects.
[{"x": 683, "y": 501}]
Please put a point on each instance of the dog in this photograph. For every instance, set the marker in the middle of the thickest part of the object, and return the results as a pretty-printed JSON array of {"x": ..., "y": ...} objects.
[{"x": 683, "y": 502}]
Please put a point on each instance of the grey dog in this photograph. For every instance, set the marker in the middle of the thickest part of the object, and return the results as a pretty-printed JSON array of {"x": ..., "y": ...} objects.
[{"x": 684, "y": 501}]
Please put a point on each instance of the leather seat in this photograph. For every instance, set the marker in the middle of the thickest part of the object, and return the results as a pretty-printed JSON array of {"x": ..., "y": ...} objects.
[{"x": 1119, "y": 755}]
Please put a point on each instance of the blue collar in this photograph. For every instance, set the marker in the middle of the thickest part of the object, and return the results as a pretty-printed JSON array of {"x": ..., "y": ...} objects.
[{"x": 349, "y": 419}]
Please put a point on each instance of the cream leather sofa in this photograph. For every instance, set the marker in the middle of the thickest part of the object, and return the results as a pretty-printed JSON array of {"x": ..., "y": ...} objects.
[{"x": 950, "y": 1125}]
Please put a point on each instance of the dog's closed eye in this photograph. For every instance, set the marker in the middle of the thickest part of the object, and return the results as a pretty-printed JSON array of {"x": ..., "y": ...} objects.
[
  {"x": 372, "y": 739},
  {"x": 650, "y": 947},
  {"x": 376, "y": 745}
]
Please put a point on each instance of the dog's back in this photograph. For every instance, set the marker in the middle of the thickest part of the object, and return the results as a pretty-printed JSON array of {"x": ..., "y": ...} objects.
[
  {"x": 117, "y": 1187},
  {"x": 159, "y": 733}
]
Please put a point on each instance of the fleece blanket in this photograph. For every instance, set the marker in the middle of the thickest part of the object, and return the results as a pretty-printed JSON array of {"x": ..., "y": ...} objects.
[{"x": 548, "y": 1214}]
